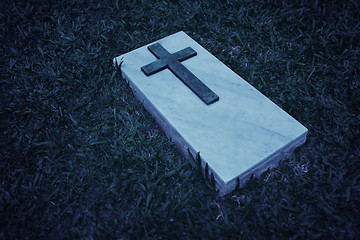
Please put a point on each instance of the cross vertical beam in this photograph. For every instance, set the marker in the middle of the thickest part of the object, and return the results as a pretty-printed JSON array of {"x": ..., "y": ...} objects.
[{"x": 172, "y": 62}]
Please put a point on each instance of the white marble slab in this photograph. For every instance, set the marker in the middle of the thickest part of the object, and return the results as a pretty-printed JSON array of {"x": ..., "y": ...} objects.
[{"x": 243, "y": 133}]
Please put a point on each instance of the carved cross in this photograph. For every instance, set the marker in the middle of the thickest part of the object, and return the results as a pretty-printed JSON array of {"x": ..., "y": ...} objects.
[{"x": 172, "y": 62}]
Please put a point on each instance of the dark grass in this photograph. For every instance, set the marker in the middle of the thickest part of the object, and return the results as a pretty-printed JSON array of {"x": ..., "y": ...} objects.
[{"x": 81, "y": 159}]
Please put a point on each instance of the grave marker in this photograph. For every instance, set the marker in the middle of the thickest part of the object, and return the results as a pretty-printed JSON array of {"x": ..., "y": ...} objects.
[{"x": 238, "y": 132}]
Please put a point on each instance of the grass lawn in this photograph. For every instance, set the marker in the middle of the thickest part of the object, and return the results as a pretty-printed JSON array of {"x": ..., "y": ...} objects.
[{"x": 82, "y": 159}]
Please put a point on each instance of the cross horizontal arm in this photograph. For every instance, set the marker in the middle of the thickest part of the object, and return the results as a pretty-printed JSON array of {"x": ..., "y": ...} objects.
[
  {"x": 154, "y": 67},
  {"x": 184, "y": 54},
  {"x": 165, "y": 58}
]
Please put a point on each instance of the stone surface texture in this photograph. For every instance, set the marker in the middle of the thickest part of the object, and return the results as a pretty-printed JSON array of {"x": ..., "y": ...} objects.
[{"x": 243, "y": 133}]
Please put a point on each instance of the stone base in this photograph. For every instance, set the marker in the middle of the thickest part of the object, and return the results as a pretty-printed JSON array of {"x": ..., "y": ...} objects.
[{"x": 243, "y": 133}]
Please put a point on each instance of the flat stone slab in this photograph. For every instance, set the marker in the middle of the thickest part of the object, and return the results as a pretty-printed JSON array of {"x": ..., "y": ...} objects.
[{"x": 240, "y": 134}]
